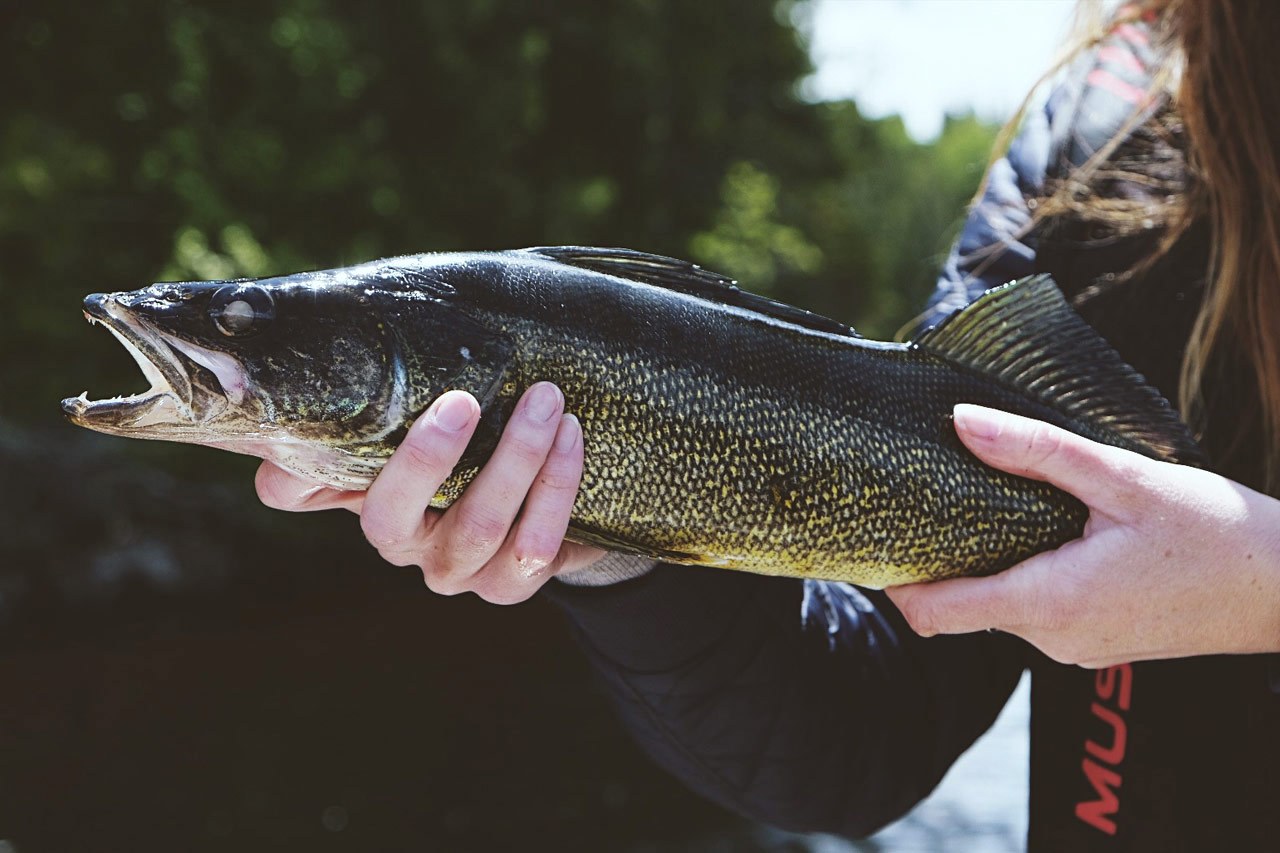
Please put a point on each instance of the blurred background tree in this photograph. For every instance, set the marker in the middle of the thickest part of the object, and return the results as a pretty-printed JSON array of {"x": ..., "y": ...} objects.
[{"x": 167, "y": 647}]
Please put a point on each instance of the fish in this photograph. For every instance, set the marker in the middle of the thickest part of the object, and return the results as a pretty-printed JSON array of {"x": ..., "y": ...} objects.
[{"x": 720, "y": 427}]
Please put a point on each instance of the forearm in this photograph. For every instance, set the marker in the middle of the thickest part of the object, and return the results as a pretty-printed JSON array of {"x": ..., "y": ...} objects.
[{"x": 811, "y": 709}]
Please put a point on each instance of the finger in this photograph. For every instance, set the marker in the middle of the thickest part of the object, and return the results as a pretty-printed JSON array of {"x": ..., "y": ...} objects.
[
  {"x": 394, "y": 517},
  {"x": 474, "y": 528},
  {"x": 530, "y": 554},
  {"x": 1098, "y": 474},
  {"x": 281, "y": 489},
  {"x": 1008, "y": 601}
]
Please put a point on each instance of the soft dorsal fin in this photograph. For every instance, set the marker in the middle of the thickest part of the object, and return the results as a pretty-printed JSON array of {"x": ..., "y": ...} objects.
[
  {"x": 689, "y": 278},
  {"x": 1027, "y": 336}
]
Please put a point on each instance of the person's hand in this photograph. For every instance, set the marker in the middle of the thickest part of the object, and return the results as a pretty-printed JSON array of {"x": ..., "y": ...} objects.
[
  {"x": 504, "y": 537},
  {"x": 1174, "y": 561}
]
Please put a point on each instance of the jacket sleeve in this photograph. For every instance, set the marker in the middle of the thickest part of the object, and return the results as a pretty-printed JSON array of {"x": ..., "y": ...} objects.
[
  {"x": 803, "y": 704},
  {"x": 997, "y": 244}
]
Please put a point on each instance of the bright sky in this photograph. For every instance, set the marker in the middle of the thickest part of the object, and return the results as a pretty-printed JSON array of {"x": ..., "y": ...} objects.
[{"x": 925, "y": 58}]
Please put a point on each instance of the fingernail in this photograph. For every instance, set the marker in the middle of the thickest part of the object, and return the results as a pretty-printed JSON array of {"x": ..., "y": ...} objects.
[
  {"x": 567, "y": 435},
  {"x": 544, "y": 400},
  {"x": 977, "y": 421},
  {"x": 451, "y": 412}
]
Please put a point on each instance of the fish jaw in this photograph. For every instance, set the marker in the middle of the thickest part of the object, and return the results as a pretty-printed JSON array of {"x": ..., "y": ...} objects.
[{"x": 172, "y": 403}]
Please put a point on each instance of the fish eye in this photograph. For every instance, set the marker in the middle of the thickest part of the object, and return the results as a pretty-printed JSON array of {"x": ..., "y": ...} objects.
[{"x": 240, "y": 310}]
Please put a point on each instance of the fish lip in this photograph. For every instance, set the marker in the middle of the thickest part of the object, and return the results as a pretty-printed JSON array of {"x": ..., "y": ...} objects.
[{"x": 158, "y": 362}]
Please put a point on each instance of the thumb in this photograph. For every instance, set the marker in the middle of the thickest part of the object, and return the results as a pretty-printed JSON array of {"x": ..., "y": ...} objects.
[
  {"x": 1005, "y": 601},
  {"x": 1098, "y": 474}
]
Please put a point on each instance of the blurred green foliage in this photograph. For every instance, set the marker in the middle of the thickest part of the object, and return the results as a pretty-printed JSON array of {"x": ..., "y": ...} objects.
[{"x": 165, "y": 140}]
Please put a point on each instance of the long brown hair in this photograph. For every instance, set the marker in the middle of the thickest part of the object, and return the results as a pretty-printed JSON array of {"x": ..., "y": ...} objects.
[
  {"x": 1226, "y": 103},
  {"x": 1229, "y": 100}
]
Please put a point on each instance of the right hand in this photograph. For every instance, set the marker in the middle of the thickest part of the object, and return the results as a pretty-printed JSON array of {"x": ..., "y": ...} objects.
[{"x": 504, "y": 538}]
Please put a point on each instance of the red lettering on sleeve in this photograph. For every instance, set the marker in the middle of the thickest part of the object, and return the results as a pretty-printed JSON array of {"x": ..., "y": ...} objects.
[
  {"x": 1115, "y": 752},
  {"x": 1095, "y": 813},
  {"x": 1105, "y": 683},
  {"x": 1113, "y": 685}
]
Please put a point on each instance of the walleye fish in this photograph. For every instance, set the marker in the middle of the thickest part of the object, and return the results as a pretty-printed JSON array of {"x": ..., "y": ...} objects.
[{"x": 720, "y": 428}]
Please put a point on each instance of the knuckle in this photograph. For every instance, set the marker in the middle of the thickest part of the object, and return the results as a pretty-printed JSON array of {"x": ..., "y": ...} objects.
[
  {"x": 918, "y": 615},
  {"x": 423, "y": 457},
  {"x": 382, "y": 534},
  {"x": 525, "y": 448},
  {"x": 505, "y": 583},
  {"x": 445, "y": 574},
  {"x": 559, "y": 479},
  {"x": 507, "y": 596},
  {"x": 1044, "y": 443},
  {"x": 535, "y": 556},
  {"x": 479, "y": 528},
  {"x": 1127, "y": 468},
  {"x": 1129, "y": 479},
  {"x": 443, "y": 583},
  {"x": 399, "y": 558}
]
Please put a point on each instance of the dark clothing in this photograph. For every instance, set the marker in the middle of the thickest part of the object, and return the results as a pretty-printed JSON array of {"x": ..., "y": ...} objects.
[{"x": 812, "y": 706}]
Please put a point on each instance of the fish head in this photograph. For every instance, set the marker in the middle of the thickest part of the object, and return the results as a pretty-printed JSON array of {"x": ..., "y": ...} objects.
[{"x": 293, "y": 368}]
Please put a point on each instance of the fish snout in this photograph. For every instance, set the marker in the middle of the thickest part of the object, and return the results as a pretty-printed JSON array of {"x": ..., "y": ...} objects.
[{"x": 95, "y": 305}]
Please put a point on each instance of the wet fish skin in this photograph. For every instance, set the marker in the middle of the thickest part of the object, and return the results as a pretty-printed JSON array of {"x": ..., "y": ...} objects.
[{"x": 719, "y": 428}]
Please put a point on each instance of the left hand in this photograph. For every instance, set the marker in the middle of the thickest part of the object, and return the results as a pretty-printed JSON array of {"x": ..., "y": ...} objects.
[
  {"x": 1174, "y": 561},
  {"x": 504, "y": 538}
]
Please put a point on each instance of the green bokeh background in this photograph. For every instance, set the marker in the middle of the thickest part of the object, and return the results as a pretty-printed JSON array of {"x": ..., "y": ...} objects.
[{"x": 183, "y": 669}]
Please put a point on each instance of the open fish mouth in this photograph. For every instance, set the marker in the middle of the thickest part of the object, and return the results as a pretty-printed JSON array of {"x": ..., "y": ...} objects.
[{"x": 170, "y": 397}]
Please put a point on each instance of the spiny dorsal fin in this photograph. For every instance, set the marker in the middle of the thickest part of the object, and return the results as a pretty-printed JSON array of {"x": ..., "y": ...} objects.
[
  {"x": 1027, "y": 336},
  {"x": 689, "y": 278}
]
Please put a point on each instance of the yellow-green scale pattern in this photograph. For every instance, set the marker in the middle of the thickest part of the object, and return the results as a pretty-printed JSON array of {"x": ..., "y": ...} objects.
[{"x": 847, "y": 472}]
